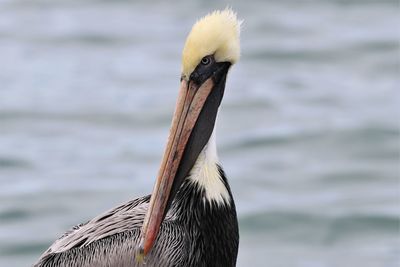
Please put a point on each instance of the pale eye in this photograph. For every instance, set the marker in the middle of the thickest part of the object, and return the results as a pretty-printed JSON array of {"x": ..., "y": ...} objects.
[{"x": 205, "y": 60}]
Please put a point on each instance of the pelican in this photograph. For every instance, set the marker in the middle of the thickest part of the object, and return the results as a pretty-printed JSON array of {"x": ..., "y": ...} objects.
[{"x": 190, "y": 217}]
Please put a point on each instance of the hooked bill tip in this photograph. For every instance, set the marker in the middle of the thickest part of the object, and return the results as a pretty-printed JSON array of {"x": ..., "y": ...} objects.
[{"x": 140, "y": 256}]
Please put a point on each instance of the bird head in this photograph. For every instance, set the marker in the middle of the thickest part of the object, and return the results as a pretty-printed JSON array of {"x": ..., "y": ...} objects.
[
  {"x": 215, "y": 35},
  {"x": 211, "y": 48}
]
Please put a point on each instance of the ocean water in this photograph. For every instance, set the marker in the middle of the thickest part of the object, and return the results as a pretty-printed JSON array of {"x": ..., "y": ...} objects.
[{"x": 308, "y": 132}]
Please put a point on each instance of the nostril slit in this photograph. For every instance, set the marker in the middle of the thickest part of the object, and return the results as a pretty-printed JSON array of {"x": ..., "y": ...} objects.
[{"x": 195, "y": 77}]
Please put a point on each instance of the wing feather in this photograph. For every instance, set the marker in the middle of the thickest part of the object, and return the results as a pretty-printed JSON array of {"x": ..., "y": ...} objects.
[{"x": 126, "y": 217}]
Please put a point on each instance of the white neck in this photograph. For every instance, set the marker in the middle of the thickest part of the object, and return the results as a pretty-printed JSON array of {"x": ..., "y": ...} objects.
[{"x": 206, "y": 174}]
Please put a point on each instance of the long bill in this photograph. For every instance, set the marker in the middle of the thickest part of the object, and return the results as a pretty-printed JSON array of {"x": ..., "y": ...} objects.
[{"x": 191, "y": 100}]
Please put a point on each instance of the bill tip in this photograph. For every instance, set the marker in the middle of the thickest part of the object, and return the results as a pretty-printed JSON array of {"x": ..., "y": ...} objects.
[{"x": 140, "y": 255}]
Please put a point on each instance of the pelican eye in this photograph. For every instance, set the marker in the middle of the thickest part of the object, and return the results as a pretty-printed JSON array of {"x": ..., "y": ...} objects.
[{"x": 205, "y": 60}]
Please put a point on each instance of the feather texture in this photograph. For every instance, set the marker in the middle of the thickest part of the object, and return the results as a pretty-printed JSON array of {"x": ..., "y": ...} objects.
[{"x": 194, "y": 233}]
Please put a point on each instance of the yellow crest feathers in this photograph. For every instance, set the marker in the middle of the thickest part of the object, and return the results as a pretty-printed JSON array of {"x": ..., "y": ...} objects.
[{"x": 215, "y": 34}]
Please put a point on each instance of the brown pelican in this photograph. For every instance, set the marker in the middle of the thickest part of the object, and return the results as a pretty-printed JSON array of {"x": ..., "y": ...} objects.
[{"x": 190, "y": 218}]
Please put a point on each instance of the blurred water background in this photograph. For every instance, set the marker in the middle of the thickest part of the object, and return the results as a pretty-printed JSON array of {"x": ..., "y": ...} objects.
[{"x": 308, "y": 133}]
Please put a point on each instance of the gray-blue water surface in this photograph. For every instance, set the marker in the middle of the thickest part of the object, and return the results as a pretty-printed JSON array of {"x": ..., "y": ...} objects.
[{"x": 308, "y": 132}]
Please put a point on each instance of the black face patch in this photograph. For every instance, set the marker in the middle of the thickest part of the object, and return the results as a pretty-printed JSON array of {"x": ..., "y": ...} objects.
[{"x": 207, "y": 67}]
